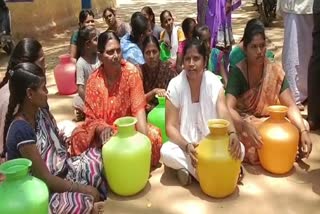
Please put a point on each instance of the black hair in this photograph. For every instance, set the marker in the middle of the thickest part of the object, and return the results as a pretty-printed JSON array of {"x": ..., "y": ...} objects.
[
  {"x": 199, "y": 45},
  {"x": 139, "y": 25},
  {"x": 148, "y": 40},
  {"x": 253, "y": 28},
  {"x": 113, "y": 11},
  {"x": 23, "y": 76},
  {"x": 86, "y": 33},
  {"x": 198, "y": 31},
  {"x": 150, "y": 12},
  {"x": 27, "y": 50},
  {"x": 84, "y": 14},
  {"x": 163, "y": 13},
  {"x": 104, "y": 38},
  {"x": 186, "y": 25}
]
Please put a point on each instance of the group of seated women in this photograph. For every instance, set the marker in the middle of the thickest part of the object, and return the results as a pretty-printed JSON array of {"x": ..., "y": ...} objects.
[{"x": 121, "y": 77}]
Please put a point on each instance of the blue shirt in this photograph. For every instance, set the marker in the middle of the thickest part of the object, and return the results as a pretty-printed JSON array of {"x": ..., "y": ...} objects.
[
  {"x": 131, "y": 51},
  {"x": 20, "y": 133}
]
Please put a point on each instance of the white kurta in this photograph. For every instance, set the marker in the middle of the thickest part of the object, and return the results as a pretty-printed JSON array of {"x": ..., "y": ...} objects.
[{"x": 193, "y": 116}]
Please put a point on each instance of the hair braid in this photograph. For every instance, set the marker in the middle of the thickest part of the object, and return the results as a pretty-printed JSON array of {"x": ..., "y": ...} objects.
[{"x": 9, "y": 118}]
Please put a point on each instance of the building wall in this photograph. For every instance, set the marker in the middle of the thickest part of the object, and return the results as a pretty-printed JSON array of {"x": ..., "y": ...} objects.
[{"x": 47, "y": 16}]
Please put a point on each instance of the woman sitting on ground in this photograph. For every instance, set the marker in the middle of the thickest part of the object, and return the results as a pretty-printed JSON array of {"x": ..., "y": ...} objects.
[
  {"x": 87, "y": 62},
  {"x": 71, "y": 189},
  {"x": 26, "y": 50},
  {"x": 114, "y": 90},
  {"x": 193, "y": 98},
  {"x": 171, "y": 35},
  {"x": 188, "y": 27},
  {"x": 86, "y": 18},
  {"x": 119, "y": 27},
  {"x": 131, "y": 44},
  {"x": 156, "y": 74},
  {"x": 149, "y": 14},
  {"x": 254, "y": 84},
  {"x": 238, "y": 54},
  {"x": 216, "y": 62}
]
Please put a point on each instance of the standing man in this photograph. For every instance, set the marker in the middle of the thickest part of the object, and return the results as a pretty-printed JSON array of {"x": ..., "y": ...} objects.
[
  {"x": 4, "y": 18},
  {"x": 297, "y": 45},
  {"x": 314, "y": 72}
]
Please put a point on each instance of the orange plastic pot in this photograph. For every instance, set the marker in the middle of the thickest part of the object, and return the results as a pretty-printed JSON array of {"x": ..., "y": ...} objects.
[{"x": 280, "y": 141}]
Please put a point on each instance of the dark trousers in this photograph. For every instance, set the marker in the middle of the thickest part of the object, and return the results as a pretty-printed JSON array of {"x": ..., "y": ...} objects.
[
  {"x": 314, "y": 75},
  {"x": 5, "y": 20}
]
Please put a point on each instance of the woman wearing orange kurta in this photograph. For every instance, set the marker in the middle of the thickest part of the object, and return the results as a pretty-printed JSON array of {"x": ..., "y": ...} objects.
[{"x": 114, "y": 90}]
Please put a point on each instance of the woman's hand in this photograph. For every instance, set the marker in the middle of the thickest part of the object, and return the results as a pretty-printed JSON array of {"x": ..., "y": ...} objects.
[
  {"x": 167, "y": 43},
  {"x": 64, "y": 138},
  {"x": 306, "y": 144},
  {"x": 105, "y": 135},
  {"x": 228, "y": 6},
  {"x": 90, "y": 190},
  {"x": 249, "y": 131},
  {"x": 2, "y": 177},
  {"x": 160, "y": 92},
  {"x": 191, "y": 151},
  {"x": 234, "y": 146}
]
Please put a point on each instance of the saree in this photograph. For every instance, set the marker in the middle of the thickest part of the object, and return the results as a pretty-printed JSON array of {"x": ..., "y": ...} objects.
[
  {"x": 252, "y": 104},
  {"x": 54, "y": 152},
  {"x": 219, "y": 22},
  {"x": 104, "y": 104},
  {"x": 156, "y": 79}
]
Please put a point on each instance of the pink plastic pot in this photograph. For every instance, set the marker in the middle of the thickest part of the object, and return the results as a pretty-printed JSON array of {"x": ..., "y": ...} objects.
[{"x": 65, "y": 75}]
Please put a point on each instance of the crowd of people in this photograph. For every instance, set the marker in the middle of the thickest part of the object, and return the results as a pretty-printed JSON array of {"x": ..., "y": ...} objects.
[{"x": 119, "y": 73}]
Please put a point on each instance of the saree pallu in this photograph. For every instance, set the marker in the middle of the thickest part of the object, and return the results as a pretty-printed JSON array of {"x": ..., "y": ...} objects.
[
  {"x": 253, "y": 104},
  {"x": 85, "y": 169}
]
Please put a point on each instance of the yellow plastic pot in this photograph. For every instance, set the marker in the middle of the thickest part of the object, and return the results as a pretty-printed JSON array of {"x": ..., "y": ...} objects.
[{"x": 217, "y": 171}]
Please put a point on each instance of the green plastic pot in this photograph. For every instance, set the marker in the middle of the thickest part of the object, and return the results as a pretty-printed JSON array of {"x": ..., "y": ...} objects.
[
  {"x": 157, "y": 117},
  {"x": 165, "y": 53},
  {"x": 127, "y": 158},
  {"x": 21, "y": 192}
]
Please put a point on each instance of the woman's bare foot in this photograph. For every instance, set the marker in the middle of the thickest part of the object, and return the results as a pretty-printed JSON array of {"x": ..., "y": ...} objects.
[{"x": 98, "y": 208}]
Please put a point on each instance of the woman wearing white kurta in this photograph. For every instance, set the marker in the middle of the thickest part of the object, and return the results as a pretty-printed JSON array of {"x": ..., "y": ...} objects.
[
  {"x": 297, "y": 45},
  {"x": 193, "y": 97}
]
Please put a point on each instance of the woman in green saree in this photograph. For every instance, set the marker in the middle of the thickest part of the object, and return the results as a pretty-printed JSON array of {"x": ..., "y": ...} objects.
[{"x": 256, "y": 82}]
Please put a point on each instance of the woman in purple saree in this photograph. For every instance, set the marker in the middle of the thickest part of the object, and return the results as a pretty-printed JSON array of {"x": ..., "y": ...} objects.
[{"x": 216, "y": 14}]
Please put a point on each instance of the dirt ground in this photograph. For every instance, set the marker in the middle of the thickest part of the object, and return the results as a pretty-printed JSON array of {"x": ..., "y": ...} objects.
[{"x": 260, "y": 192}]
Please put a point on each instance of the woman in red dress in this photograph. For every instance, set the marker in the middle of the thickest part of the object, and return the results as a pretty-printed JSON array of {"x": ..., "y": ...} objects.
[{"x": 114, "y": 90}]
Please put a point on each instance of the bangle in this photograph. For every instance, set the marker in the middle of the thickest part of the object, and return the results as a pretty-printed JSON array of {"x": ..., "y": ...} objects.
[
  {"x": 231, "y": 132},
  {"x": 303, "y": 130}
]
